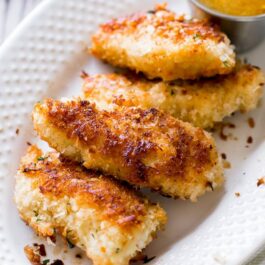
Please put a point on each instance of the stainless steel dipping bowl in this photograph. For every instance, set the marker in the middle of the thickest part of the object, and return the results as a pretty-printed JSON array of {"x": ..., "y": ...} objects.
[{"x": 245, "y": 32}]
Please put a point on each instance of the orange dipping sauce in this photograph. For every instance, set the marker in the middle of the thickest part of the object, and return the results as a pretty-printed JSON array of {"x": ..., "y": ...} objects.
[{"x": 237, "y": 7}]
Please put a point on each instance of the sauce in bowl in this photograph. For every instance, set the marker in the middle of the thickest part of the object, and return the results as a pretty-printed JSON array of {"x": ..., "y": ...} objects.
[{"x": 237, "y": 7}]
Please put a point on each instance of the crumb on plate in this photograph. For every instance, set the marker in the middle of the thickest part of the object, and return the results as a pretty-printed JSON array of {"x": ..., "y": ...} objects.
[
  {"x": 251, "y": 122},
  {"x": 261, "y": 181},
  {"x": 249, "y": 140},
  {"x": 223, "y": 156}
]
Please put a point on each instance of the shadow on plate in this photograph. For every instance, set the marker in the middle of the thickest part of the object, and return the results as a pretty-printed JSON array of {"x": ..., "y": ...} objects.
[{"x": 184, "y": 217}]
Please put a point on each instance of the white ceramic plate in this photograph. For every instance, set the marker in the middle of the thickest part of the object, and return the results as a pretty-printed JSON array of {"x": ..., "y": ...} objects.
[{"x": 44, "y": 58}]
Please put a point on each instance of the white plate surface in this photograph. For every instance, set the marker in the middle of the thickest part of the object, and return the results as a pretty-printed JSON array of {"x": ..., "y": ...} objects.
[{"x": 44, "y": 57}]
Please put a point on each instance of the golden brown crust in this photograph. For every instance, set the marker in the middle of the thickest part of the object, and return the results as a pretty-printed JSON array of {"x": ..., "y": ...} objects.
[
  {"x": 82, "y": 120},
  {"x": 147, "y": 148},
  {"x": 202, "y": 102},
  {"x": 57, "y": 177},
  {"x": 166, "y": 25},
  {"x": 161, "y": 44}
]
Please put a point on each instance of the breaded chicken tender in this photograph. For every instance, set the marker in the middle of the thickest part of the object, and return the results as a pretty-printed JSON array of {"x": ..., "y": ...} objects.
[
  {"x": 203, "y": 102},
  {"x": 105, "y": 218},
  {"x": 162, "y": 44},
  {"x": 146, "y": 148}
]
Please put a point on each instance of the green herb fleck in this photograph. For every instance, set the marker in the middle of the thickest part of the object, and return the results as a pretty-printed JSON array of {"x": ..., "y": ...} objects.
[
  {"x": 196, "y": 36},
  {"x": 69, "y": 243},
  {"x": 36, "y": 213},
  {"x": 117, "y": 250},
  {"x": 45, "y": 262},
  {"x": 92, "y": 235},
  {"x": 226, "y": 64},
  {"x": 38, "y": 219},
  {"x": 41, "y": 158}
]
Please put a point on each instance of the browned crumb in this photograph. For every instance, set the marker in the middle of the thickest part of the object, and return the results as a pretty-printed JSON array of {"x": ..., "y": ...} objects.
[
  {"x": 78, "y": 256},
  {"x": 83, "y": 74},
  {"x": 17, "y": 131},
  {"x": 237, "y": 194},
  {"x": 53, "y": 238},
  {"x": 260, "y": 181},
  {"x": 259, "y": 104},
  {"x": 249, "y": 140},
  {"x": 226, "y": 164},
  {"x": 223, "y": 156},
  {"x": 45, "y": 262},
  {"x": 42, "y": 250},
  {"x": 221, "y": 127},
  {"x": 251, "y": 122},
  {"x": 32, "y": 256},
  {"x": 29, "y": 143}
]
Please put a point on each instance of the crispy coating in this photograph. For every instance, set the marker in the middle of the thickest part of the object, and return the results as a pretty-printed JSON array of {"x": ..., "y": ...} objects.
[
  {"x": 162, "y": 44},
  {"x": 107, "y": 219},
  {"x": 202, "y": 102},
  {"x": 146, "y": 148}
]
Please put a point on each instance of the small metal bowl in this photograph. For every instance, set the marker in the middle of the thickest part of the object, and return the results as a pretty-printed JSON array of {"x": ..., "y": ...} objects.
[{"x": 245, "y": 32}]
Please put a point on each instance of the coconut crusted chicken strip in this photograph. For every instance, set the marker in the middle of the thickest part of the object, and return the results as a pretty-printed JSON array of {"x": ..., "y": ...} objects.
[
  {"x": 162, "y": 44},
  {"x": 105, "y": 218},
  {"x": 203, "y": 102},
  {"x": 146, "y": 148}
]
